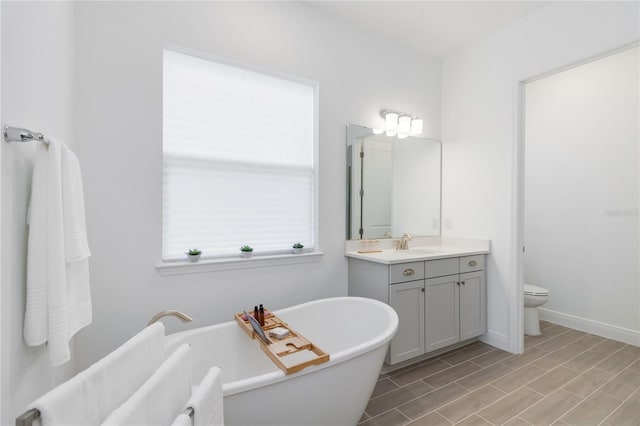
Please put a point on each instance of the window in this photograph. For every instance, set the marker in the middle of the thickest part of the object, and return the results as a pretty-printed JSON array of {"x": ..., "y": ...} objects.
[{"x": 238, "y": 159}]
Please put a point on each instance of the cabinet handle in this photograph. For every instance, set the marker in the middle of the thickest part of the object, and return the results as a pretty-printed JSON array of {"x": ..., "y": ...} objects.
[
  {"x": 462, "y": 282},
  {"x": 473, "y": 263},
  {"x": 408, "y": 272},
  {"x": 422, "y": 289},
  {"x": 458, "y": 282}
]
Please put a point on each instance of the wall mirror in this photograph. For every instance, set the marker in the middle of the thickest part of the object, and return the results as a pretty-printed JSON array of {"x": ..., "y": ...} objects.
[{"x": 393, "y": 185}]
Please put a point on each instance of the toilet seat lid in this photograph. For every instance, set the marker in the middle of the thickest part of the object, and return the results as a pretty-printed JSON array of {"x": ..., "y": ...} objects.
[{"x": 535, "y": 290}]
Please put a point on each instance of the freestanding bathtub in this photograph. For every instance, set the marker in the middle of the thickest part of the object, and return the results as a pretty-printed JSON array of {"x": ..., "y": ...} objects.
[{"x": 354, "y": 331}]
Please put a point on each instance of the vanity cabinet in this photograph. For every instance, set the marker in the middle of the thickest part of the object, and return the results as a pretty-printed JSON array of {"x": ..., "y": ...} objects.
[
  {"x": 406, "y": 296},
  {"x": 408, "y": 301},
  {"x": 455, "y": 301},
  {"x": 439, "y": 302}
]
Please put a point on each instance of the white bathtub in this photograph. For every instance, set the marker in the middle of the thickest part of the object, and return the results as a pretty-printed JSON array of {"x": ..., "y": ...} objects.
[{"x": 354, "y": 331}]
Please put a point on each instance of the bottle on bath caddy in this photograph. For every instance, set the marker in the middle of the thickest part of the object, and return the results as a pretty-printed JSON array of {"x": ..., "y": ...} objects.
[
  {"x": 261, "y": 311},
  {"x": 259, "y": 314}
]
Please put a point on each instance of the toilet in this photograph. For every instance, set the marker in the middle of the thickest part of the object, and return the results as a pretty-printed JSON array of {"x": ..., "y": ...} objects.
[{"x": 534, "y": 296}]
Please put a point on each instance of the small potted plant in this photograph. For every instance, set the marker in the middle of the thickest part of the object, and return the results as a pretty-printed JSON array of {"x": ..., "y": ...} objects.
[
  {"x": 193, "y": 254},
  {"x": 246, "y": 251},
  {"x": 297, "y": 248}
]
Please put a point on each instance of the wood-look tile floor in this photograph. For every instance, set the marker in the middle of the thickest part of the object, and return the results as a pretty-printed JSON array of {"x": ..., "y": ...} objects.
[{"x": 564, "y": 377}]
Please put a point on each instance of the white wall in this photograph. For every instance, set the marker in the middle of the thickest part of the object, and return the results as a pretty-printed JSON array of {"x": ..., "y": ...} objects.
[
  {"x": 37, "y": 93},
  {"x": 480, "y": 112},
  {"x": 582, "y": 137},
  {"x": 119, "y": 129}
]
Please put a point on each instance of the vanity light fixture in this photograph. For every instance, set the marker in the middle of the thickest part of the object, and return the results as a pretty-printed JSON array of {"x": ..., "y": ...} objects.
[{"x": 401, "y": 124}]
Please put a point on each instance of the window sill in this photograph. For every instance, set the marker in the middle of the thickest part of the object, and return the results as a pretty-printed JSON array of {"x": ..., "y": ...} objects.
[{"x": 183, "y": 267}]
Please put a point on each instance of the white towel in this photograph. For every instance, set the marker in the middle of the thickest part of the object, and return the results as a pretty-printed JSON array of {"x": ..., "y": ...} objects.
[
  {"x": 58, "y": 294},
  {"x": 206, "y": 400},
  {"x": 182, "y": 420},
  {"x": 161, "y": 398},
  {"x": 89, "y": 397},
  {"x": 76, "y": 245}
]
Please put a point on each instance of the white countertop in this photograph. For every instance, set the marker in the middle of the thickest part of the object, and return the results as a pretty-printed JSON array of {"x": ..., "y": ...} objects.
[{"x": 447, "y": 248}]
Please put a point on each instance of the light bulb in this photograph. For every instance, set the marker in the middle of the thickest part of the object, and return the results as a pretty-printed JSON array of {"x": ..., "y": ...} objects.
[
  {"x": 416, "y": 126},
  {"x": 390, "y": 133},
  {"x": 404, "y": 124},
  {"x": 391, "y": 121},
  {"x": 377, "y": 131}
]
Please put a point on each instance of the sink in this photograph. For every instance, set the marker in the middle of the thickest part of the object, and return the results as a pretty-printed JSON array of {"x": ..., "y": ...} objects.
[
  {"x": 422, "y": 251},
  {"x": 393, "y": 255},
  {"x": 416, "y": 252}
]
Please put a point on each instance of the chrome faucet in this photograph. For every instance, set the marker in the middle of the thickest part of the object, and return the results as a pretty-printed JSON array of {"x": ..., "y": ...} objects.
[
  {"x": 170, "y": 313},
  {"x": 403, "y": 243}
]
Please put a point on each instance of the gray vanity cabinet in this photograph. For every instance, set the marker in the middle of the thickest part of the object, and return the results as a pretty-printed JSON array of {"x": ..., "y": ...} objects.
[
  {"x": 402, "y": 287},
  {"x": 439, "y": 302},
  {"x": 455, "y": 302},
  {"x": 408, "y": 301},
  {"x": 442, "y": 312},
  {"x": 406, "y": 296},
  {"x": 473, "y": 305}
]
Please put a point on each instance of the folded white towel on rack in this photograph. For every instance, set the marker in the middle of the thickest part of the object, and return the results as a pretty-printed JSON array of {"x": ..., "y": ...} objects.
[
  {"x": 36, "y": 323},
  {"x": 182, "y": 420},
  {"x": 206, "y": 400},
  {"x": 58, "y": 293},
  {"x": 91, "y": 396},
  {"x": 162, "y": 397}
]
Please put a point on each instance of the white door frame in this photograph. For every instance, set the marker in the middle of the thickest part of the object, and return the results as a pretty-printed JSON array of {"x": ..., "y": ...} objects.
[
  {"x": 3, "y": 404},
  {"x": 516, "y": 315},
  {"x": 3, "y": 395}
]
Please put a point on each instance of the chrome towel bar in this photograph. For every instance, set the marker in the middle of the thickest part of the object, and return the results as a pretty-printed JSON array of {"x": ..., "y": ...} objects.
[
  {"x": 17, "y": 134},
  {"x": 28, "y": 417}
]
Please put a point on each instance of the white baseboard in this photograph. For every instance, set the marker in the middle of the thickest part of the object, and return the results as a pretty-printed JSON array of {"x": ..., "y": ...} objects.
[
  {"x": 497, "y": 340},
  {"x": 601, "y": 329}
]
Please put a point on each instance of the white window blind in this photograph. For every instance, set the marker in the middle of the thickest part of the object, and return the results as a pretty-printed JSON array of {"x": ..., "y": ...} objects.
[{"x": 238, "y": 159}]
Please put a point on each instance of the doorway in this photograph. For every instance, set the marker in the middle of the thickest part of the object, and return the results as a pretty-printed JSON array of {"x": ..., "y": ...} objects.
[{"x": 579, "y": 194}]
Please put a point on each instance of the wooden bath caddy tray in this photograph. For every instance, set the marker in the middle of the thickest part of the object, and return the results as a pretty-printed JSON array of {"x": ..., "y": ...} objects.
[{"x": 302, "y": 352}]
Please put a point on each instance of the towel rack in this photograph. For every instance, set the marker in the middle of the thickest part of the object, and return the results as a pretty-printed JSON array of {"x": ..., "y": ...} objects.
[
  {"x": 17, "y": 134},
  {"x": 189, "y": 411},
  {"x": 28, "y": 417}
]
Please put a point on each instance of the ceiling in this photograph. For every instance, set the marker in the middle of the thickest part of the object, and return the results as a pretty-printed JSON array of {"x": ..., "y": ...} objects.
[{"x": 436, "y": 28}]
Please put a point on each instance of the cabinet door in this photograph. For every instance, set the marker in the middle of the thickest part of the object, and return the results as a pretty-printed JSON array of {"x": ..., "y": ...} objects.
[
  {"x": 441, "y": 312},
  {"x": 408, "y": 301},
  {"x": 473, "y": 311}
]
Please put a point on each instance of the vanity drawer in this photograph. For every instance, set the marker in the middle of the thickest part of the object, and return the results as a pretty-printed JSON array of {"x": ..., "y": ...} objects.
[
  {"x": 403, "y": 272},
  {"x": 441, "y": 267},
  {"x": 471, "y": 263}
]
